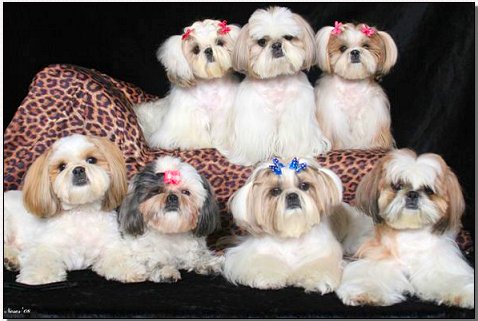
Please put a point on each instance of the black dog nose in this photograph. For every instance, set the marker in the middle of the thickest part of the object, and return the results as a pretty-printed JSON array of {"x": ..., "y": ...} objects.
[
  {"x": 172, "y": 198},
  {"x": 413, "y": 195},
  {"x": 277, "y": 45},
  {"x": 292, "y": 197},
  {"x": 355, "y": 56},
  {"x": 79, "y": 170},
  {"x": 209, "y": 54}
]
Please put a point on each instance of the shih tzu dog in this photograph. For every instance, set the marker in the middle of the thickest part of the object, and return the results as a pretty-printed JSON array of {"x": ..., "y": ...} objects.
[
  {"x": 274, "y": 110},
  {"x": 165, "y": 217},
  {"x": 199, "y": 65},
  {"x": 353, "y": 110},
  {"x": 285, "y": 209},
  {"x": 63, "y": 219},
  {"x": 416, "y": 203}
]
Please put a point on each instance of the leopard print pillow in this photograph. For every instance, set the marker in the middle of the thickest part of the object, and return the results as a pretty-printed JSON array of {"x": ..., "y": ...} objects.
[{"x": 66, "y": 99}]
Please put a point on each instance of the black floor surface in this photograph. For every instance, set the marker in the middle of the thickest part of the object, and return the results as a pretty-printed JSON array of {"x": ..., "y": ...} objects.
[{"x": 87, "y": 295}]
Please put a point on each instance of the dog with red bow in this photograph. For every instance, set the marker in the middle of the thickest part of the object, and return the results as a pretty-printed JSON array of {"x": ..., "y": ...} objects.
[{"x": 165, "y": 218}]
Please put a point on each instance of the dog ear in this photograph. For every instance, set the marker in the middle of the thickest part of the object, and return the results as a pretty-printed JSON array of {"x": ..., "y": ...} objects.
[
  {"x": 38, "y": 195},
  {"x": 209, "y": 218},
  {"x": 240, "y": 54},
  {"x": 391, "y": 52},
  {"x": 451, "y": 221},
  {"x": 322, "y": 43},
  {"x": 309, "y": 42},
  {"x": 368, "y": 191},
  {"x": 130, "y": 219},
  {"x": 119, "y": 181},
  {"x": 171, "y": 55}
]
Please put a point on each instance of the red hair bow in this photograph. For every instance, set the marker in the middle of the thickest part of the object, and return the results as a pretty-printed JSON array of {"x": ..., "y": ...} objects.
[
  {"x": 172, "y": 177},
  {"x": 224, "y": 29},
  {"x": 186, "y": 34},
  {"x": 368, "y": 31}
]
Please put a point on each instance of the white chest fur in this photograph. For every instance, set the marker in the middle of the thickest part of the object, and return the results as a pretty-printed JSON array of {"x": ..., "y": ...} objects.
[{"x": 354, "y": 110}]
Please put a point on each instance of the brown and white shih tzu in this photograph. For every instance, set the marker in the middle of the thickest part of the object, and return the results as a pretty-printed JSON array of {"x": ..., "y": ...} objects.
[
  {"x": 416, "y": 203},
  {"x": 285, "y": 209},
  {"x": 199, "y": 65},
  {"x": 274, "y": 110},
  {"x": 64, "y": 217},
  {"x": 352, "y": 108},
  {"x": 165, "y": 217}
]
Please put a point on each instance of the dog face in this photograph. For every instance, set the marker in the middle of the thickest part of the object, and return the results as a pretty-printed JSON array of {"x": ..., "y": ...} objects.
[
  {"x": 171, "y": 197},
  {"x": 355, "y": 51},
  {"x": 289, "y": 204},
  {"x": 406, "y": 191},
  {"x": 274, "y": 42},
  {"x": 202, "y": 52},
  {"x": 76, "y": 170}
]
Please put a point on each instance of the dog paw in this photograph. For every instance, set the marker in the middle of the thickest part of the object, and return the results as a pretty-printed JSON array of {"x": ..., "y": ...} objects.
[
  {"x": 40, "y": 277},
  {"x": 466, "y": 299},
  {"x": 356, "y": 297},
  {"x": 213, "y": 266},
  {"x": 322, "y": 286},
  {"x": 166, "y": 274},
  {"x": 11, "y": 264}
]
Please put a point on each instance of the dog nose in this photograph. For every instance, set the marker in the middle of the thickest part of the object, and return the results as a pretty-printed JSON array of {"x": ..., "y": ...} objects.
[
  {"x": 209, "y": 54},
  {"x": 292, "y": 197},
  {"x": 413, "y": 195},
  {"x": 277, "y": 50},
  {"x": 79, "y": 170},
  {"x": 355, "y": 56},
  {"x": 172, "y": 198},
  {"x": 276, "y": 45}
]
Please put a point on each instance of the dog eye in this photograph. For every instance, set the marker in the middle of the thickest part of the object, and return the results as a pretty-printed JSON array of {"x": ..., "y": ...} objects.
[
  {"x": 343, "y": 48},
  {"x": 304, "y": 186},
  {"x": 396, "y": 186},
  {"x": 196, "y": 50},
  {"x": 288, "y": 37},
  {"x": 220, "y": 42},
  {"x": 61, "y": 167},
  {"x": 186, "y": 192},
  {"x": 91, "y": 160},
  {"x": 261, "y": 42},
  {"x": 428, "y": 190},
  {"x": 366, "y": 45},
  {"x": 276, "y": 191}
]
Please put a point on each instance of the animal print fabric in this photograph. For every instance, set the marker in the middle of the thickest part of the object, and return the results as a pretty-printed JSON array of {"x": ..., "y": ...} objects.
[{"x": 67, "y": 99}]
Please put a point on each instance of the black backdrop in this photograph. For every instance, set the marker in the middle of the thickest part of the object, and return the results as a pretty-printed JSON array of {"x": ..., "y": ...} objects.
[{"x": 430, "y": 88}]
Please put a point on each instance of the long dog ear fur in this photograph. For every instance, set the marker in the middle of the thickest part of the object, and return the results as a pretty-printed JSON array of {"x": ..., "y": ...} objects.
[
  {"x": 38, "y": 195},
  {"x": 209, "y": 217}
]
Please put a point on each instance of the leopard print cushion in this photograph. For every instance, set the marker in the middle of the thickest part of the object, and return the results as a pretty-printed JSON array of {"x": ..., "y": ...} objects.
[{"x": 66, "y": 99}]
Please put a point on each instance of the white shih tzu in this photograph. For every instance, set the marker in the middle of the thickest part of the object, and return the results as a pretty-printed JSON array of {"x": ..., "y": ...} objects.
[
  {"x": 165, "y": 217},
  {"x": 285, "y": 209},
  {"x": 199, "y": 65},
  {"x": 274, "y": 110},
  {"x": 63, "y": 219},
  {"x": 416, "y": 203},
  {"x": 353, "y": 110}
]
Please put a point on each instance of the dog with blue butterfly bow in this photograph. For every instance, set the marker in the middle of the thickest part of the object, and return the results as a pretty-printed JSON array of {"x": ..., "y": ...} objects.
[{"x": 293, "y": 240}]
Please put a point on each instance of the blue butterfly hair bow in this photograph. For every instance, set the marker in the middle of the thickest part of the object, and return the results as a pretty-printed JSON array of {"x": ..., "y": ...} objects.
[{"x": 294, "y": 164}]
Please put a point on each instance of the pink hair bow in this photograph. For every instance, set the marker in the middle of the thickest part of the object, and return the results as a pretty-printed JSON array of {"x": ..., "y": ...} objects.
[
  {"x": 187, "y": 33},
  {"x": 337, "y": 28},
  {"x": 368, "y": 31},
  {"x": 172, "y": 177},
  {"x": 224, "y": 29}
]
